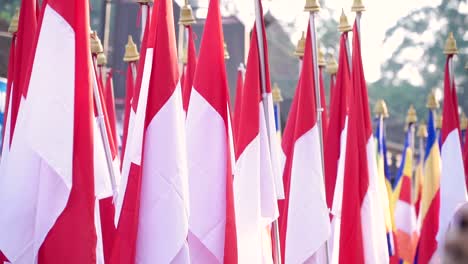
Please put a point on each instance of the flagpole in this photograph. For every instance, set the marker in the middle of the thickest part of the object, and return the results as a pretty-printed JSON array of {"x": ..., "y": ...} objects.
[
  {"x": 96, "y": 48},
  {"x": 332, "y": 69},
  {"x": 186, "y": 19},
  {"x": 145, "y": 7},
  {"x": 451, "y": 50},
  {"x": 432, "y": 105},
  {"x": 313, "y": 7},
  {"x": 422, "y": 134},
  {"x": 411, "y": 119},
  {"x": 131, "y": 56},
  {"x": 277, "y": 99},
  {"x": 260, "y": 38}
]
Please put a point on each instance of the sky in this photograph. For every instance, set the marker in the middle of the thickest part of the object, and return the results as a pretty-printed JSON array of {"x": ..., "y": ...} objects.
[{"x": 378, "y": 17}]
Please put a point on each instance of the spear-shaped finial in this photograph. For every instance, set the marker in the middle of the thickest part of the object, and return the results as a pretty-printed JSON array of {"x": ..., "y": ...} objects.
[
  {"x": 276, "y": 92},
  {"x": 131, "y": 51},
  {"x": 438, "y": 121},
  {"x": 312, "y": 6},
  {"x": 300, "y": 48},
  {"x": 451, "y": 45},
  {"x": 226, "y": 52},
  {"x": 13, "y": 28},
  {"x": 463, "y": 122},
  {"x": 358, "y": 6},
  {"x": 344, "y": 25},
  {"x": 332, "y": 65},
  {"x": 422, "y": 130},
  {"x": 431, "y": 101},
  {"x": 186, "y": 15},
  {"x": 101, "y": 59},
  {"x": 411, "y": 117},
  {"x": 380, "y": 109},
  {"x": 321, "y": 58},
  {"x": 96, "y": 46}
]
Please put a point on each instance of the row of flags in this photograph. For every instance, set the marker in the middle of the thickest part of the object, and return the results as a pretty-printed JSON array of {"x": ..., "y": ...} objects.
[{"x": 196, "y": 182}]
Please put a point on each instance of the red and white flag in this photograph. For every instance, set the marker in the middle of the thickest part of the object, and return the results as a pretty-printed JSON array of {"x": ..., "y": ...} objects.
[
  {"x": 452, "y": 180},
  {"x": 110, "y": 106},
  {"x": 189, "y": 72},
  {"x": 153, "y": 223},
  {"x": 335, "y": 142},
  {"x": 212, "y": 234},
  {"x": 129, "y": 89},
  {"x": 238, "y": 99},
  {"x": 304, "y": 220},
  {"x": 49, "y": 174},
  {"x": 255, "y": 195}
]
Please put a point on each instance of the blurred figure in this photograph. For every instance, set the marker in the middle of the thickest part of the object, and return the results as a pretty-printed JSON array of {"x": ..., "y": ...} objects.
[{"x": 455, "y": 249}]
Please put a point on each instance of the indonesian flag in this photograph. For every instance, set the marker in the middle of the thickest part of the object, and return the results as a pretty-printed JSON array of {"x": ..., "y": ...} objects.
[
  {"x": 110, "y": 106},
  {"x": 212, "y": 234},
  {"x": 362, "y": 233},
  {"x": 254, "y": 182},
  {"x": 407, "y": 233},
  {"x": 465, "y": 157},
  {"x": 335, "y": 150},
  {"x": 428, "y": 217},
  {"x": 304, "y": 221},
  {"x": 49, "y": 174},
  {"x": 189, "y": 73},
  {"x": 153, "y": 223},
  {"x": 129, "y": 89},
  {"x": 452, "y": 181}
]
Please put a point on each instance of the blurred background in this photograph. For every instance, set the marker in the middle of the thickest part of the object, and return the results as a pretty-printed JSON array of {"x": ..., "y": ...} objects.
[{"x": 402, "y": 43}]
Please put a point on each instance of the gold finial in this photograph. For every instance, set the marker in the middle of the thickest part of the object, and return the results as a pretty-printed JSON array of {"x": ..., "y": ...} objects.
[
  {"x": 131, "y": 51},
  {"x": 226, "y": 52},
  {"x": 186, "y": 15},
  {"x": 321, "y": 58},
  {"x": 463, "y": 122},
  {"x": 438, "y": 121},
  {"x": 332, "y": 66},
  {"x": 344, "y": 25},
  {"x": 312, "y": 6},
  {"x": 96, "y": 46},
  {"x": 300, "y": 48},
  {"x": 380, "y": 109},
  {"x": 276, "y": 92},
  {"x": 358, "y": 6},
  {"x": 411, "y": 117},
  {"x": 451, "y": 45},
  {"x": 13, "y": 28},
  {"x": 431, "y": 101},
  {"x": 422, "y": 130},
  {"x": 101, "y": 59},
  {"x": 144, "y": 2}
]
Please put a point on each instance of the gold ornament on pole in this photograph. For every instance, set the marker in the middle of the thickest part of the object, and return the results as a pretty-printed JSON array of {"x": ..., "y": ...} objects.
[
  {"x": 300, "y": 48},
  {"x": 321, "y": 57},
  {"x": 463, "y": 122},
  {"x": 96, "y": 46},
  {"x": 344, "y": 26},
  {"x": 422, "y": 130},
  {"x": 131, "y": 51},
  {"x": 431, "y": 101},
  {"x": 358, "y": 6},
  {"x": 101, "y": 59},
  {"x": 186, "y": 15},
  {"x": 380, "y": 109},
  {"x": 332, "y": 65},
  {"x": 312, "y": 6},
  {"x": 411, "y": 117},
  {"x": 144, "y": 2},
  {"x": 276, "y": 92},
  {"x": 226, "y": 52},
  {"x": 450, "y": 45},
  {"x": 13, "y": 28},
  {"x": 438, "y": 121}
]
